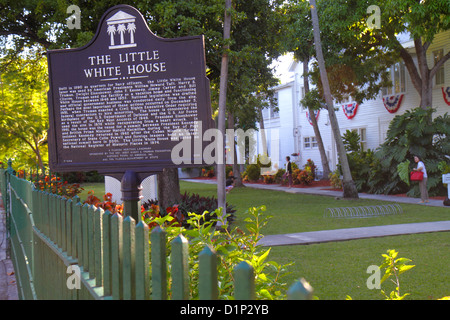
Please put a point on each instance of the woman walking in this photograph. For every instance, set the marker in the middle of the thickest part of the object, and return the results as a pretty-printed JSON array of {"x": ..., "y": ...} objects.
[{"x": 423, "y": 182}]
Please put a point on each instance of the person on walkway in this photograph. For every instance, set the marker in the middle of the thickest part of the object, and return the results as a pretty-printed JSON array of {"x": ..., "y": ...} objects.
[
  {"x": 289, "y": 171},
  {"x": 229, "y": 184},
  {"x": 423, "y": 183}
]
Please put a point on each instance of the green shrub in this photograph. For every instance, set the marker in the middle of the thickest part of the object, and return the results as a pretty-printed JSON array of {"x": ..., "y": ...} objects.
[
  {"x": 253, "y": 172},
  {"x": 194, "y": 203},
  {"x": 233, "y": 247},
  {"x": 335, "y": 179},
  {"x": 409, "y": 134}
]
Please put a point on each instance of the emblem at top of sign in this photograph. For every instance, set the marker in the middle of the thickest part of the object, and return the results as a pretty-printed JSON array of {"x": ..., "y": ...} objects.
[{"x": 121, "y": 23}]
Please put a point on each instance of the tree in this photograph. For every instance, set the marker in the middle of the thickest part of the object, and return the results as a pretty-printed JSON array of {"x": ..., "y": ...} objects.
[
  {"x": 347, "y": 182},
  {"x": 379, "y": 47},
  {"x": 168, "y": 188},
  {"x": 24, "y": 116},
  {"x": 221, "y": 177},
  {"x": 300, "y": 40},
  {"x": 252, "y": 46},
  {"x": 423, "y": 20}
]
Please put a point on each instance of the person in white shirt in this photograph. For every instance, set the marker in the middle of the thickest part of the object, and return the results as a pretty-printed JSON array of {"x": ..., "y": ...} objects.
[{"x": 423, "y": 183}]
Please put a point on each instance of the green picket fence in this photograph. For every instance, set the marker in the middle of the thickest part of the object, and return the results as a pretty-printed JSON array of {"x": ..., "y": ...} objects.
[{"x": 62, "y": 249}]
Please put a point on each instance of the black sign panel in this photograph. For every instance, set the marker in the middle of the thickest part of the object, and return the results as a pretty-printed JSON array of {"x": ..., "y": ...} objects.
[{"x": 114, "y": 103}]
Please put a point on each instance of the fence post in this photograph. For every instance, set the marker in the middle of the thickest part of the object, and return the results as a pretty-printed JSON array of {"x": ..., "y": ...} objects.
[
  {"x": 58, "y": 211},
  {"x": 300, "y": 290},
  {"x": 77, "y": 239},
  {"x": 69, "y": 209},
  {"x": 207, "y": 270},
  {"x": 84, "y": 236},
  {"x": 98, "y": 256},
  {"x": 91, "y": 240},
  {"x": 180, "y": 268},
  {"x": 117, "y": 256},
  {"x": 159, "y": 265},
  {"x": 63, "y": 224},
  {"x": 244, "y": 282},
  {"x": 129, "y": 284},
  {"x": 142, "y": 262},
  {"x": 106, "y": 242},
  {"x": 75, "y": 225}
]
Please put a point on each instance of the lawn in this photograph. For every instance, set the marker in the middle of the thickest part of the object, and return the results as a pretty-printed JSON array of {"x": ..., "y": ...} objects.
[
  {"x": 97, "y": 187},
  {"x": 338, "y": 269},
  {"x": 300, "y": 213}
]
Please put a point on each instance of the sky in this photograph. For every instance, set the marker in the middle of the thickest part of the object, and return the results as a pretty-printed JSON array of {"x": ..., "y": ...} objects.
[{"x": 281, "y": 68}]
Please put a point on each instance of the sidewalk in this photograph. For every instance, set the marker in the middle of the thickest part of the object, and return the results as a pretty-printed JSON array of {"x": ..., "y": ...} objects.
[
  {"x": 327, "y": 191},
  {"x": 353, "y": 233},
  {"x": 8, "y": 286}
]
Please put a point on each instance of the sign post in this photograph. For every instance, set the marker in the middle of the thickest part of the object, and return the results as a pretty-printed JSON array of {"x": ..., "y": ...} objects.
[{"x": 115, "y": 102}]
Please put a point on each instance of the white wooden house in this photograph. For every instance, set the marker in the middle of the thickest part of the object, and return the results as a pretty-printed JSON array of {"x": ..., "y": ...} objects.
[{"x": 371, "y": 118}]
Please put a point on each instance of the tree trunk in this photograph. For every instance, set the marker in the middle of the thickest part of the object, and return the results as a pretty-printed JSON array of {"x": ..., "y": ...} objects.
[
  {"x": 348, "y": 184},
  {"x": 168, "y": 188},
  {"x": 263, "y": 133},
  {"x": 323, "y": 155},
  {"x": 426, "y": 88},
  {"x": 221, "y": 179},
  {"x": 37, "y": 151},
  {"x": 232, "y": 144}
]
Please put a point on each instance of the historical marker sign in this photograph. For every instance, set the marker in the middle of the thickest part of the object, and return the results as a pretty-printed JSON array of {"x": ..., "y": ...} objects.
[{"x": 114, "y": 103}]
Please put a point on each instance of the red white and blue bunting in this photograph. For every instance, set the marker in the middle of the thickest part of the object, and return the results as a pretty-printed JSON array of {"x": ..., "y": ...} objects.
[
  {"x": 316, "y": 114},
  {"x": 350, "y": 109},
  {"x": 392, "y": 103},
  {"x": 446, "y": 94}
]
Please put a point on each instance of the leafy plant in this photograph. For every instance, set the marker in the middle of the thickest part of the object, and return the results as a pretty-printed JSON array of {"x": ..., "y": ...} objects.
[
  {"x": 303, "y": 177},
  {"x": 208, "y": 172},
  {"x": 310, "y": 167},
  {"x": 233, "y": 246},
  {"x": 253, "y": 172},
  {"x": 189, "y": 203},
  {"x": 403, "y": 171},
  {"x": 393, "y": 269},
  {"x": 55, "y": 185},
  {"x": 106, "y": 204},
  {"x": 335, "y": 179},
  {"x": 444, "y": 166},
  {"x": 409, "y": 134},
  {"x": 269, "y": 179},
  {"x": 351, "y": 141}
]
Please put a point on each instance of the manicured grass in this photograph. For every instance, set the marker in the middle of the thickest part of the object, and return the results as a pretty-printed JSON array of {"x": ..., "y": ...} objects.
[
  {"x": 338, "y": 269},
  {"x": 300, "y": 213},
  {"x": 97, "y": 187}
]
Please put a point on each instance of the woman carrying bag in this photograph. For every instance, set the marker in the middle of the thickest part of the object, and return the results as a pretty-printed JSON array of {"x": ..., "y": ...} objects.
[{"x": 423, "y": 182}]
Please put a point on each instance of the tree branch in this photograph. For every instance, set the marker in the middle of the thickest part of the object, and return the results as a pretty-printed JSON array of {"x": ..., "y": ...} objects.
[
  {"x": 412, "y": 69},
  {"x": 439, "y": 64}
]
